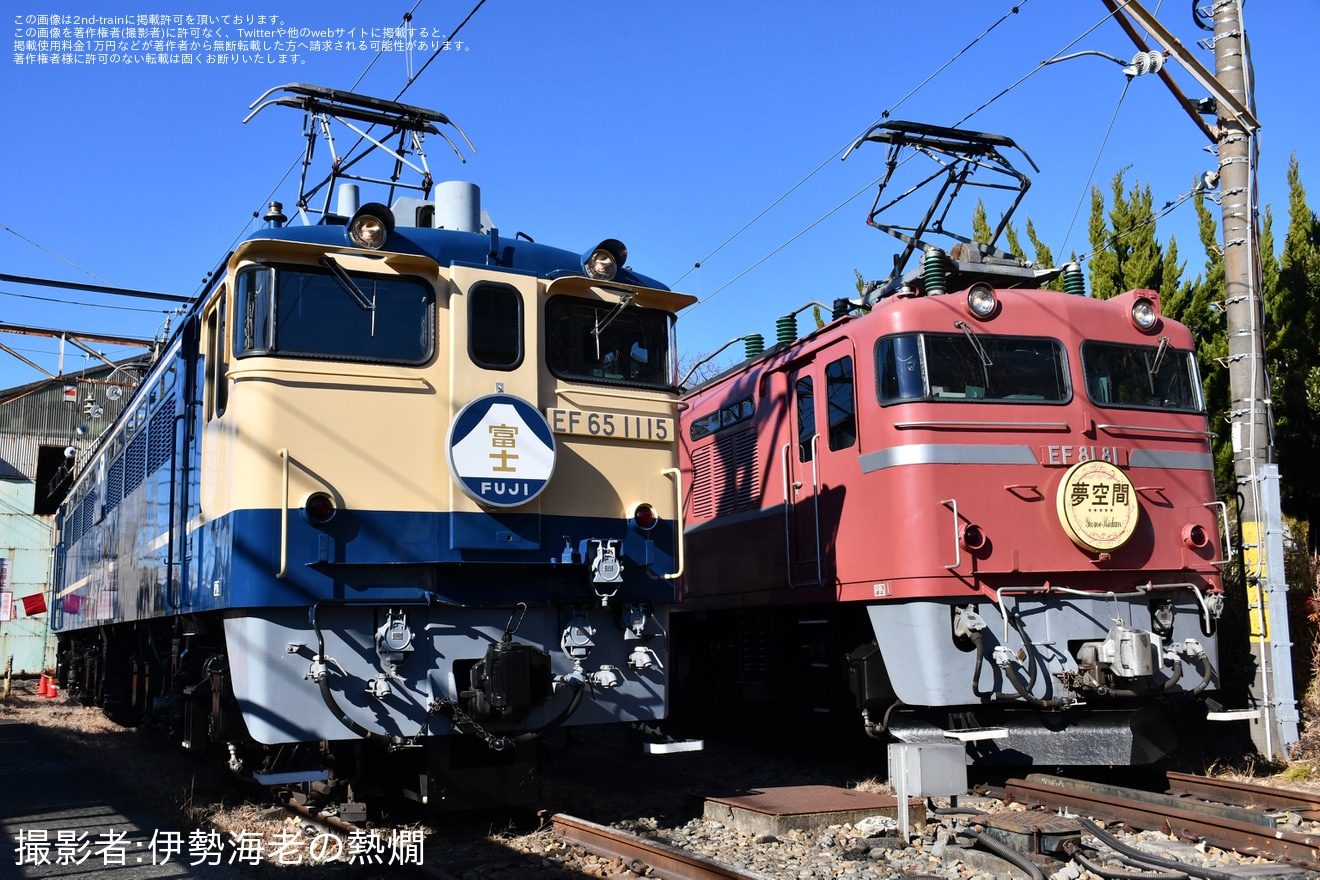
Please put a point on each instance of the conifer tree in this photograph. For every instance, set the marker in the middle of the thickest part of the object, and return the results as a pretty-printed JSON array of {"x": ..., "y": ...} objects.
[
  {"x": 1202, "y": 309},
  {"x": 1044, "y": 256},
  {"x": 980, "y": 224},
  {"x": 1293, "y": 353},
  {"x": 1125, "y": 255},
  {"x": 981, "y": 232}
]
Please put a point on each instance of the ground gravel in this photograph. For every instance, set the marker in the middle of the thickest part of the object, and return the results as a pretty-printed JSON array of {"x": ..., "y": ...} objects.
[{"x": 600, "y": 775}]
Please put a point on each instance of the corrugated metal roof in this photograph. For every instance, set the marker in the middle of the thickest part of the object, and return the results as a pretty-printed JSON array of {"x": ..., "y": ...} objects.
[{"x": 45, "y": 414}]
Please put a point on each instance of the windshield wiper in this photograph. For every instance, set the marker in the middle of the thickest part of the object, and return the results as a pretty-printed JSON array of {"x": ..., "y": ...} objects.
[
  {"x": 1159, "y": 358},
  {"x": 350, "y": 287},
  {"x": 625, "y": 299},
  {"x": 980, "y": 351},
  {"x": 348, "y": 284},
  {"x": 976, "y": 343}
]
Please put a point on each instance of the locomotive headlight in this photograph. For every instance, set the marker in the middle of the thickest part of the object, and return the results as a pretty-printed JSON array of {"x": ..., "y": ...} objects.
[
  {"x": 318, "y": 508},
  {"x": 642, "y": 515},
  {"x": 603, "y": 261},
  {"x": 1144, "y": 314},
  {"x": 371, "y": 226},
  {"x": 601, "y": 265},
  {"x": 981, "y": 301}
]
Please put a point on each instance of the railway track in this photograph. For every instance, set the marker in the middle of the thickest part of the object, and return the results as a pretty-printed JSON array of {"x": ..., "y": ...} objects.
[
  {"x": 640, "y": 854},
  {"x": 1274, "y": 824},
  {"x": 1238, "y": 816},
  {"x": 1246, "y": 794}
]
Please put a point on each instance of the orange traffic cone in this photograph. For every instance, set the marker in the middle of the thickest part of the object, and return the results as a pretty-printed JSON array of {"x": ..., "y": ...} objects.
[
  {"x": 43, "y": 689},
  {"x": 52, "y": 691}
]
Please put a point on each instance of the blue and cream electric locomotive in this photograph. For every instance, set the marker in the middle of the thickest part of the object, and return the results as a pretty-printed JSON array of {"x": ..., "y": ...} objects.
[{"x": 397, "y": 481}]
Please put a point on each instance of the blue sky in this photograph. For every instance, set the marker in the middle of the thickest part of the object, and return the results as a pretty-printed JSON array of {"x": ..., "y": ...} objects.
[{"x": 667, "y": 125}]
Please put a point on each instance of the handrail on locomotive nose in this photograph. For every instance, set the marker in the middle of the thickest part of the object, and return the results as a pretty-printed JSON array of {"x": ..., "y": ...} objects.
[
  {"x": 678, "y": 525},
  {"x": 957, "y": 545},
  {"x": 284, "y": 514}
]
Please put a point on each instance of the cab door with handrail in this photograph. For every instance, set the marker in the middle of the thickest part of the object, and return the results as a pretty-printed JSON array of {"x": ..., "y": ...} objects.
[{"x": 819, "y": 452}]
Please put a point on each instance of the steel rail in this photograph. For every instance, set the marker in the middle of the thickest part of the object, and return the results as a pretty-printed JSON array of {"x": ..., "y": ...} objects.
[
  {"x": 664, "y": 861},
  {"x": 1246, "y": 794},
  {"x": 1180, "y": 820},
  {"x": 287, "y": 800},
  {"x": 1161, "y": 801}
]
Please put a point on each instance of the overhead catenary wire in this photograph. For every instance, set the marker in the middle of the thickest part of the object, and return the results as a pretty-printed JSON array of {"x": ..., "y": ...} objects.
[
  {"x": 83, "y": 304},
  {"x": 1035, "y": 70},
  {"x": 53, "y": 254},
  {"x": 436, "y": 53},
  {"x": 1104, "y": 140},
  {"x": 1168, "y": 208},
  {"x": 449, "y": 38},
  {"x": 883, "y": 116},
  {"x": 822, "y": 218},
  {"x": 1094, "y": 165},
  {"x": 238, "y": 236},
  {"x": 1098, "y": 153},
  {"x": 1001, "y": 94}
]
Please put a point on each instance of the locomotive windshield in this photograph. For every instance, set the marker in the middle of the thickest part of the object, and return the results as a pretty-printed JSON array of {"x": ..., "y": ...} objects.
[
  {"x": 1141, "y": 376},
  {"x": 971, "y": 366},
  {"x": 306, "y": 312},
  {"x": 609, "y": 343}
]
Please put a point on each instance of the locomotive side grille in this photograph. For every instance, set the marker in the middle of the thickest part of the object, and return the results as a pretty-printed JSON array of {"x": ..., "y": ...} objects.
[
  {"x": 701, "y": 491},
  {"x": 114, "y": 485},
  {"x": 80, "y": 518},
  {"x": 71, "y": 526},
  {"x": 162, "y": 437},
  {"x": 84, "y": 515},
  {"x": 135, "y": 463},
  {"x": 725, "y": 475}
]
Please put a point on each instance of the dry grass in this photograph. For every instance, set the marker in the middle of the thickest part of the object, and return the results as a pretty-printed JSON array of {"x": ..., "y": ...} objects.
[
  {"x": 872, "y": 785},
  {"x": 1303, "y": 575},
  {"x": 188, "y": 792}
]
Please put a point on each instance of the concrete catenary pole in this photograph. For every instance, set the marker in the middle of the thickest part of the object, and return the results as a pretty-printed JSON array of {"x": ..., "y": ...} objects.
[
  {"x": 1275, "y": 730},
  {"x": 1273, "y": 710}
]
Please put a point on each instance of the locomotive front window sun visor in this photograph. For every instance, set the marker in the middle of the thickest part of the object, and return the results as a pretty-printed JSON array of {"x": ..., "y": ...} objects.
[
  {"x": 597, "y": 342},
  {"x": 1141, "y": 376},
  {"x": 971, "y": 366},
  {"x": 334, "y": 314}
]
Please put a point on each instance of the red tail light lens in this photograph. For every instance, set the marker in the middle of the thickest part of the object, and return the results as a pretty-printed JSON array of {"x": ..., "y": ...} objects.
[
  {"x": 319, "y": 508},
  {"x": 643, "y": 516}
]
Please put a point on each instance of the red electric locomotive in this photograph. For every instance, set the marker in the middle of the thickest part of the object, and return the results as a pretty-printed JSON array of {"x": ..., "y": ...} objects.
[{"x": 973, "y": 509}]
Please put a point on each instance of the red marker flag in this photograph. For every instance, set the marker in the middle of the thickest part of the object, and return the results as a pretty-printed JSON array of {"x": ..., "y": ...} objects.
[{"x": 34, "y": 604}]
